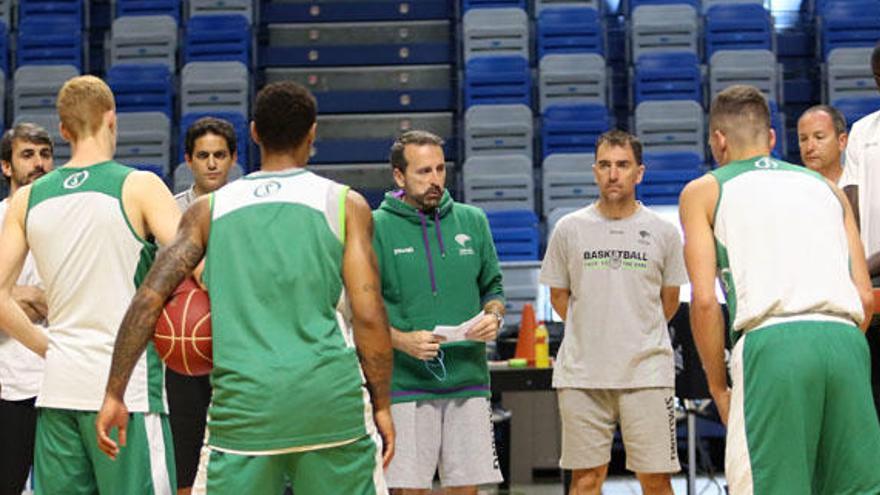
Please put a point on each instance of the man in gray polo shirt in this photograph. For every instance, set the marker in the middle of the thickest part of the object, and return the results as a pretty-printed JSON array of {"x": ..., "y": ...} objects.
[
  {"x": 210, "y": 151},
  {"x": 614, "y": 269}
]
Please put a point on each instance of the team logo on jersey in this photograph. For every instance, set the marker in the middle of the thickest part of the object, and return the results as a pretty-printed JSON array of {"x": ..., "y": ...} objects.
[
  {"x": 267, "y": 189},
  {"x": 76, "y": 180},
  {"x": 766, "y": 162},
  {"x": 462, "y": 240},
  {"x": 644, "y": 237}
]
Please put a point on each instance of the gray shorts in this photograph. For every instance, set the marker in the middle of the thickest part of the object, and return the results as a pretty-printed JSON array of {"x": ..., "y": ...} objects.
[
  {"x": 647, "y": 423},
  {"x": 454, "y": 436}
]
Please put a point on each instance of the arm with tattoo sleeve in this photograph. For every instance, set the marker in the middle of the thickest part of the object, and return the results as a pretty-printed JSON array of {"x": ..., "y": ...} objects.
[{"x": 172, "y": 265}]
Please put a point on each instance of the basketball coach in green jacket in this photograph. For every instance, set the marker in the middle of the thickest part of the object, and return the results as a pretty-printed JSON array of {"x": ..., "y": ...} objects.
[{"x": 439, "y": 269}]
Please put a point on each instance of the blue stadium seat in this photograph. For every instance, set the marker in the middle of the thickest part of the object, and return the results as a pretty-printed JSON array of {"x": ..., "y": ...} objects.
[
  {"x": 668, "y": 76},
  {"x": 849, "y": 24},
  {"x": 671, "y": 161},
  {"x": 354, "y": 11},
  {"x": 822, "y": 6},
  {"x": 497, "y": 80},
  {"x": 630, "y": 5},
  {"x": 49, "y": 40},
  {"x": 142, "y": 88},
  {"x": 483, "y": 4},
  {"x": 570, "y": 30},
  {"x": 52, "y": 9},
  {"x": 573, "y": 129},
  {"x": 215, "y": 38},
  {"x": 515, "y": 233},
  {"x": 239, "y": 122},
  {"x": 665, "y": 186},
  {"x": 855, "y": 108},
  {"x": 666, "y": 174},
  {"x": 148, "y": 7},
  {"x": 738, "y": 27}
]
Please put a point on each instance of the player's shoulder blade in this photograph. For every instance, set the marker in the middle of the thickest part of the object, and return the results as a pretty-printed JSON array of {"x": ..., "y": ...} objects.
[{"x": 105, "y": 178}]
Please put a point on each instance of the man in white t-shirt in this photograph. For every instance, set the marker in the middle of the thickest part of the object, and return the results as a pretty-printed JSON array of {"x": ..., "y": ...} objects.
[
  {"x": 614, "y": 269},
  {"x": 861, "y": 176},
  {"x": 25, "y": 156},
  {"x": 861, "y": 183}
]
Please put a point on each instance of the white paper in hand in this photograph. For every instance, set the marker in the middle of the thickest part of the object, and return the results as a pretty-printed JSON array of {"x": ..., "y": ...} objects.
[{"x": 456, "y": 333}]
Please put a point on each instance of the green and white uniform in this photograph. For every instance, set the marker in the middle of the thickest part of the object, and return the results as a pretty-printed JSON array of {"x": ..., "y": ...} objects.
[
  {"x": 91, "y": 261},
  {"x": 783, "y": 259},
  {"x": 286, "y": 375}
]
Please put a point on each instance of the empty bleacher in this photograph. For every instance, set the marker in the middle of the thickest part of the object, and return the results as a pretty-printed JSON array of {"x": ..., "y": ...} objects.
[{"x": 502, "y": 81}]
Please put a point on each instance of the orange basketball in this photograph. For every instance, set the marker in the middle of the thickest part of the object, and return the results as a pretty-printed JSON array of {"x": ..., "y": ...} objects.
[{"x": 183, "y": 332}]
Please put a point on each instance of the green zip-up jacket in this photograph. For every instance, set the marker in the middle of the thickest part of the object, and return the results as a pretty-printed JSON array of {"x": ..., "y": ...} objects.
[{"x": 438, "y": 268}]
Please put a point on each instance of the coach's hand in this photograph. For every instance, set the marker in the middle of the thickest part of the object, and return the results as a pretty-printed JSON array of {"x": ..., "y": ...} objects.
[
  {"x": 385, "y": 425},
  {"x": 486, "y": 330},
  {"x": 722, "y": 403},
  {"x": 113, "y": 414},
  {"x": 420, "y": 344}
]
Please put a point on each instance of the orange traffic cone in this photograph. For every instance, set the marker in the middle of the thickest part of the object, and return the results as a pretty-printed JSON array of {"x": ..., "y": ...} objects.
[{"x": 525, "y": 343}]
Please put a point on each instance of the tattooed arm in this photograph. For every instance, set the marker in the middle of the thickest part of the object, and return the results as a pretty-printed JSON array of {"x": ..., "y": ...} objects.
[
  {"x": 172, "y": 265},
  {"x": 360, "y": 274}
]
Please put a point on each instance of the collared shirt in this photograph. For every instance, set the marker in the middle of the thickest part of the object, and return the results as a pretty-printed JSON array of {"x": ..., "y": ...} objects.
[{"x": 185, "y": 198}]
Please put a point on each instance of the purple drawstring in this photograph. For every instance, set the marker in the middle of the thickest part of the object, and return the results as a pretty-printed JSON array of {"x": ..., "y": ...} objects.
[
  {"x": 439, "y": 233},
  {"x": 428, "y": 252}
]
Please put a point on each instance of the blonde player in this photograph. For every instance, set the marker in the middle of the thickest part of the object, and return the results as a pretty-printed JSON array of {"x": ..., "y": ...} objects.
[{"x": 89, "y": 225}]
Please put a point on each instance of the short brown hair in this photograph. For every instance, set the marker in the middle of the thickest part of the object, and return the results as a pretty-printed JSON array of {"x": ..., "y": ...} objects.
[
  {"x": 82, "y": 103},
  {"x": 416, "y": 138},
  {"x": 25, "y": 131},
  {"x": 284, "y": 114},
  {"x": 210, "y": 125},
  {"x": 741, "y": 112},
  {"x": 837, "y": 118},
  {"x": 622, "y": 139}
]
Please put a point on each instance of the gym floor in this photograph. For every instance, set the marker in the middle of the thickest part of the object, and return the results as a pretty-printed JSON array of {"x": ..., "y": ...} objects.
[{"x": 616, "y": 485}]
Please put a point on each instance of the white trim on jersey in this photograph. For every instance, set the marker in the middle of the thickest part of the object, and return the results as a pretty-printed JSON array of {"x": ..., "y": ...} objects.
[
  {"x": 310, "y": 190},
  {"x": 379, "y": 471},
  {"x": 158, "y": 451},
  {"x": 737, "y": 462}
]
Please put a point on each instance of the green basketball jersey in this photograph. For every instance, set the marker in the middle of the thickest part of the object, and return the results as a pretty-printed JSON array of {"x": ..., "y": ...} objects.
[
  {"x": 286, "y": 375},
  {"x": 91, "y": 262}
]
